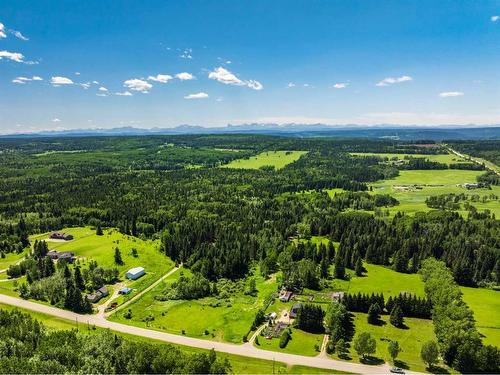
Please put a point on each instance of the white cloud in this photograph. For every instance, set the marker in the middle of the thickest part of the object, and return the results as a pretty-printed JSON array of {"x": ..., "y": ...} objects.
[
  {"x": 450, "y": 94},
  {"x": 184, "y": 76},
  {"x": 14, "y": 56},
  {"x": 187, "y": 54},
  {"x": 18, "y": 35},
  {"x": 224, "y": 76},
  {"x": 95, "y": 82},
  {"x": 200, "y": 95},
  {"x": 340, "y": 85},
  {"x": 495, "y": 18},
  {"x": 391, "y": 80},
  {"x": 56, "y": 120},
  {"x": 290, "y": 85},
  {"x": 163, "y": 78},
  {"x": 2, "y": 31},
  {"x": 100, "y": 94},
  {"x": 103, "y": 89},
  {"x": 85, "y": 85},
  {"x": 77, "y": 73},
  {"x": 57, "y": 81},
  {"x": 125, "y": 93},
  {"x": 22, "y": 80},
  {"x": 138, "y": 85}
]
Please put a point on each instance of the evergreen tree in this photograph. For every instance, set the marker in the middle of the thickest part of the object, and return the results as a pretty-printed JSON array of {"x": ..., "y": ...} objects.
[
  {"x": 374, "y": 313},
  {"x": 118, "y": 257},
  {"x": 98, "y": 230},
  {"x": 359, "y": 267},
  {"x": 396, "y": 318},
  {"x": 79, "y": 282}
]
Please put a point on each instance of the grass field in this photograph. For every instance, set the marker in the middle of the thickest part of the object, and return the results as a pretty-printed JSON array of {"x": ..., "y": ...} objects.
[
  {"x": 10, "y": 258},
  {"x": 410, "y": 340},
  {"x": 88, "y": 246},
  {"x": 277, "y": 159},
  {"x": 302, "y": 343},
  {"x": 381, "y": 279},
  {"x": 433, "y": 182},
  {"x": 224, "y": 318},
  {"x": 240, "y": 365},
  {"x": 440, "y": 158},
  {"x": 486, "y": 306}
]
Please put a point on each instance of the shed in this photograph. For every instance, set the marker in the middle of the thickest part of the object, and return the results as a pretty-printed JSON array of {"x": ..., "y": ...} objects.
[
  {"x": 104, "y": 291},
  {"x": 125, "y": 290},
  {"x": 294, "y": 310},
  {"x": 285, "y": 296},
  {"x": 135, "y": 273},
  {"x": 94, "y": 297}
]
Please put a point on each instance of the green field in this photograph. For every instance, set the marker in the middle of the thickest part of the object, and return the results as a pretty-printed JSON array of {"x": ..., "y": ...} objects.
[
  {"x": 10, "y": 258},
  {"x": 381, "y": 279},
  {"x": 224, "y": 317},
  {"x": 88, "y": 246},
  {"x": 486, "y": 306},
  {"x": 240, "y": 365},
  {"x": 432, "y": 182},
  {"x": 302, "y": 343},
  {"x": 440, "y": 158},
  {"x": 410, "y": 340},
  {"x": 276, "y": 159}
]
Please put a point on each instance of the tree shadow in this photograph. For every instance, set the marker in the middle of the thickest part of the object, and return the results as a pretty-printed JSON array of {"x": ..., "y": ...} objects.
[
  {"x": 401, "y": 364},
  {"x": 369, "y": 360},
  {"x": 437, "y": 370}
]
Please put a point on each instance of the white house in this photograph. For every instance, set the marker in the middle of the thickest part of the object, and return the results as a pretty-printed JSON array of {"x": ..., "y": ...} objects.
[{"x": 135, "y": 273}]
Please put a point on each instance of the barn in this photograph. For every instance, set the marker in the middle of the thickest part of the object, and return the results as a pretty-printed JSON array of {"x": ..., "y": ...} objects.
[{"x": 135, "y": 273}]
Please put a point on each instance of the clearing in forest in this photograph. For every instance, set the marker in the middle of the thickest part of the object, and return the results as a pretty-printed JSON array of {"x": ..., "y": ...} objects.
[{"x": 276, "y": 159}]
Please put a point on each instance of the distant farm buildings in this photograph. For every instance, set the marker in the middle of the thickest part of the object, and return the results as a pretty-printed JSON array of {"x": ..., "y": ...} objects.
[
  {"x": 285, "y": 296},
  {"x": 66, "y": 256},
  {"x": 98, "y": 295},
  {"x": 61, "y": 236},
  {"x": 135, "y": 273}
]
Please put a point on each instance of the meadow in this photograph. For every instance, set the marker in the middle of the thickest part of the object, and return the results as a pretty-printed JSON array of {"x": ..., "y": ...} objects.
[
  {"x": 10, "y": 258},
  {"x": 240, "y": 365},
  {"x": 440, "y": 158},
  {"x": 276, "y": 159},
  {"x": 226, "y": 317},
  {"x": 88, "y": 246},
  {"x": 486, "y": 306},
  {"x": 302, "y": 343},
  {"x": 421, "y": 184}
]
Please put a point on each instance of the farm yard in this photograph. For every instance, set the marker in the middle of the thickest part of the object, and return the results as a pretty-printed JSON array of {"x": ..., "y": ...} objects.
[{"x": 275, "y": 159}]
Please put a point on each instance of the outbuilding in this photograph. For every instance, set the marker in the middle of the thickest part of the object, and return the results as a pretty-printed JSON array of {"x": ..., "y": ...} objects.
[
  {"x": 294, "y": 310},
  {"x": 125, "y": 290},
  {"x": 135, "y": 273}
]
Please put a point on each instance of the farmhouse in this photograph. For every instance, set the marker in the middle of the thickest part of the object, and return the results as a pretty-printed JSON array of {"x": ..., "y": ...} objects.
[
  {"x": 98, "y": 295},
  {"x": 66, "y": 256},
  {"x": 285, "y": 296},
  {"x": 135, "y": 273},
  {"x": 61, "y": 236},
  {"x": 294, "y": 310}
]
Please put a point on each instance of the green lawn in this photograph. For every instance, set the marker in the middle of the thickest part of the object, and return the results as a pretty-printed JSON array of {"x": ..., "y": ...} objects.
[
  {"x": 381, "y": 279},
  {"x": 440, "y": 158},
  {"x": 240, "y": 365},
  {"x": 410, "y": 340},
  {"x": 88, "y": 246},
  {"x": 11, "y": 258},
  {"x": 486, "y": 306},
  {"x": 224, "y": 318},
  {"x": 302, "y": 343},
  {"x": 277, "y": 159},
  {"x": 432, "y": 182}
]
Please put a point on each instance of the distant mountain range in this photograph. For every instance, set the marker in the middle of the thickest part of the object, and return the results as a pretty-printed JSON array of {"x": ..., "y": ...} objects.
[{"x": 436, "y": 133}]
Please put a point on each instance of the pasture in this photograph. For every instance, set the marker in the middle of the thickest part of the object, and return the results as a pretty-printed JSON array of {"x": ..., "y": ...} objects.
[
  {"x": 226, "y": 317},
  {"x": 412, "y": 187},
  {"x": 276, "y": 159},
  {"x": 10, "y": 258},
  {"x": 440, "y": 158},
  {"x": 88, "y": 246},
  {"x": 302, "y": 343},
  {"x": 410, "y": 339},
  {"x": 486, "y": 306}
]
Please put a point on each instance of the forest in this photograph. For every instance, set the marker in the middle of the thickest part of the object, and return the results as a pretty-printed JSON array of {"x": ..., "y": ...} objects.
[{"x": 221, "y": 223}]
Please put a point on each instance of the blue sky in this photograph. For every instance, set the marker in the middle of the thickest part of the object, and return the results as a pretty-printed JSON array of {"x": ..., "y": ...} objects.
[{"x": 83, "y": 64}]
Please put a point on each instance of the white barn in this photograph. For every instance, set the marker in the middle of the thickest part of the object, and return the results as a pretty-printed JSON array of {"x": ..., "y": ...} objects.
[{"x": 135, "y": 273}]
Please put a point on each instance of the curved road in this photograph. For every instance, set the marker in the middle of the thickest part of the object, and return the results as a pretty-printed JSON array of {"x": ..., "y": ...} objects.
[{"x": 246, "y": 350}]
